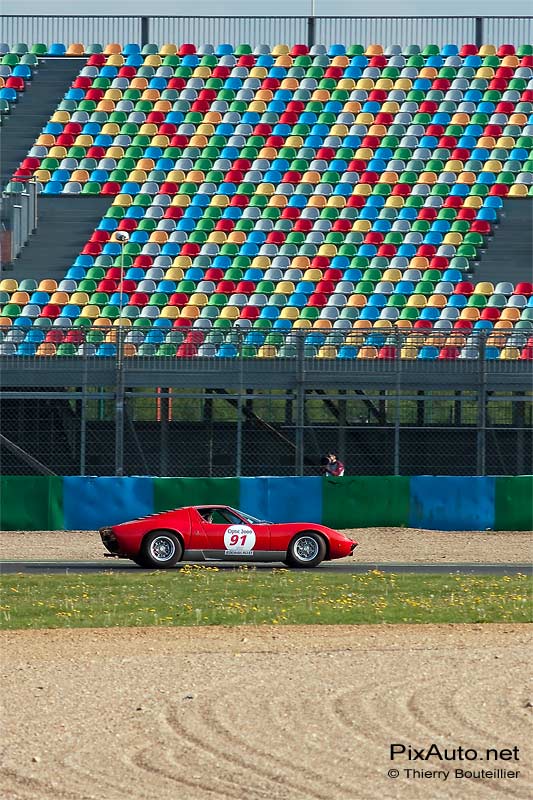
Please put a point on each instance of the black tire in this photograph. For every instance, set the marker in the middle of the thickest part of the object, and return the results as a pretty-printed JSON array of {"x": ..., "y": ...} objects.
[
  {"x": 160, "y": 550},
  {"x": 307, "y": 549}
]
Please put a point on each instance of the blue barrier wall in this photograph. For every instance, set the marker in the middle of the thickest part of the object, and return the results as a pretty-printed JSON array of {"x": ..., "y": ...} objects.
[
  {"x": 423, "y": 501},
  {"x": 90, "y": 503},
  {"x": 282, "y": 499},
  {"x": 450, "y": 503}
]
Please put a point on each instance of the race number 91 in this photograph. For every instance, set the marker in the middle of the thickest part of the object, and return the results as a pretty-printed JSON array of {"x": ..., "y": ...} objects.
[{"x": 239, "y": 539}]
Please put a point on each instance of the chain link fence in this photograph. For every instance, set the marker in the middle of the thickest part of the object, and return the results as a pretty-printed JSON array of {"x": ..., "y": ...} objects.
[{"x": 218, "y": 416}]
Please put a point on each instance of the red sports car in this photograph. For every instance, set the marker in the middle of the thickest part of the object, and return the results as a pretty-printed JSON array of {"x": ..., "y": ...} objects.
[{"x": 221, "y": 533}]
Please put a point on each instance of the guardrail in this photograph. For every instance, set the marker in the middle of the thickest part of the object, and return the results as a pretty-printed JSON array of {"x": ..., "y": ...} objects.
[{"x": 327, "y": 30}]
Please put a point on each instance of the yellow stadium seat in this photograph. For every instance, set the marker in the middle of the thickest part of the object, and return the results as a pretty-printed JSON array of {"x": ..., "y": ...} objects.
[
  {"x": 289, "y": 312},
  {"x": 79, "y": 298},
  {"x": 267, "y": 351},
  {"x": 170, "y": 312},
  {"x": 261, "y": 262},
  {"x": 473, "y": 202},
  {"x": 280, "y": 50},
  {"x": 327, "y": 250},
  {"x": 9, "y": 285},
  {"x": 336, "y": 201},
  {"x": 383, "y": 323},
  {"x": 386, "y": 84},
  {"x": 518, "y": 190},
  {"x": 168, "y": 50},
  {"x": 417, "y": 301},
  {"x": 392, "y": 274},
  {"x": 174, "y": 274},
  {"x": 113, "y": 94},
  {"x": 510, "y": 354},
  {"x": 116, "y": 60},
  {"x": 487, "y": 50},
  {"x": 409, "y": 352},
  {"x": 183, "y": 200},
  {"x": 58, "y": 151},
  {"x": 115, "y": 152},
  {"x": 60, "y": 116},
  {"x": 198, "y": 299},
  {"x": 123, "y": 200},
  {"x": 302, "y": 323},
  {"x": 327, "y": 351},
  {"x": 230, "y": 312},
  {"x": 90, "y": 311},
  {"x": 453, "y": 237},
  {"x": 492, "y": 165}
]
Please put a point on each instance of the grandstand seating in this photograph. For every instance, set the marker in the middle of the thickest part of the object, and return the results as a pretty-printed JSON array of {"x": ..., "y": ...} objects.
[
  {"x": 347, "y": 193},
  {"x": 16, "y": 70}
]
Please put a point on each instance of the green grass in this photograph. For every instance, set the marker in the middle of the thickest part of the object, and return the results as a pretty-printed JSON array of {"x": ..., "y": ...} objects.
[{"x": 208, "y": 596}]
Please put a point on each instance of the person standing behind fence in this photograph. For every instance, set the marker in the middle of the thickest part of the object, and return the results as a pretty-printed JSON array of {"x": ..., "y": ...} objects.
[{"x": 333, "y": 467}]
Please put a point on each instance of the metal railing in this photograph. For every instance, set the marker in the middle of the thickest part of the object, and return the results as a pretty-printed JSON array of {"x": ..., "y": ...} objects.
[
  {"x": 221, "y": 416},
  {"x": 327, "y": 30},
  {"x": 18, "y": 220}
]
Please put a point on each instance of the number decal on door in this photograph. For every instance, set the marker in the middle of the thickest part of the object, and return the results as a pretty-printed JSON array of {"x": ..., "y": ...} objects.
[{"x": 239, "y": 540}]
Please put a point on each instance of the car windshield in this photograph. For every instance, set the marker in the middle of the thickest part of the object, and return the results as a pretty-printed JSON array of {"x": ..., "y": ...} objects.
[{"x": 250, "y": 519}]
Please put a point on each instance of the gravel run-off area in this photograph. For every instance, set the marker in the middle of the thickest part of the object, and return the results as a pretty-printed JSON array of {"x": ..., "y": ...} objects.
[
  {"x": 268, "y": 713},
  {"x": 375, "y": 545}
]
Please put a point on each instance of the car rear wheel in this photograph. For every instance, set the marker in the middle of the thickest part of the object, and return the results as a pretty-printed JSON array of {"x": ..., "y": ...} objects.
[
  {"x": 160, "y": 550},
  {"x": 307, "y": 549}
]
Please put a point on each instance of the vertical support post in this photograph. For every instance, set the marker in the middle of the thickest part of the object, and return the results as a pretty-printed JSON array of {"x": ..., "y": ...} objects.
[
  {"x": 240, "y": 398},
  {"x": 310, "y": 31},
  {"x": 165, "y": 407},
  {"x": 482, "y": 410},
  {"x": 479, "y": 32},
  {"x": 342, "y": 424},
  {"x": 300, "y": 406},
  {"x": 119, "y": 394},
  {"x": 83, "y": 415},
  {"x": 145, "y": 30},
  {"x": 397, "y": 420}
]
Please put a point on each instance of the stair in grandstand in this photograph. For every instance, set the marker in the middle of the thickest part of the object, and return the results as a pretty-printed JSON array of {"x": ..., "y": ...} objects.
[
  {"x": 64, "y": 223},
  {"x": 509, "y": 256},
  {"x": 33, "y": 110}
]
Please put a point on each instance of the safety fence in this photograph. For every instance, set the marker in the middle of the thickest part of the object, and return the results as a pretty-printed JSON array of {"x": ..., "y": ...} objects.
[
  {"x": 326, "y": 30},
  {"x": 423, "y": 501}
]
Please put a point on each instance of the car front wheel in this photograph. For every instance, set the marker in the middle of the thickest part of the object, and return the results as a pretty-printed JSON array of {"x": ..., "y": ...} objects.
[
  {"x": 307, "y": 549},
  {"x": 160, "y": 550}
]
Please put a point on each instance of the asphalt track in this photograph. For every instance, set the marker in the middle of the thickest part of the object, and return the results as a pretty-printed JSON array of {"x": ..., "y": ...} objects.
[{"x": 350, "y": 568}]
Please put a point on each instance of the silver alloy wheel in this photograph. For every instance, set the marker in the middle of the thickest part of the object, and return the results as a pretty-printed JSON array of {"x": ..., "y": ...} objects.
[
  {"x": 306, "y": 548},
  {"x": 162, "y": 548}
]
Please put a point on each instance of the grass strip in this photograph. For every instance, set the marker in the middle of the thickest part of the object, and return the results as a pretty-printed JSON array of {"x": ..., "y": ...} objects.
[{"x": 202, "y": 595}]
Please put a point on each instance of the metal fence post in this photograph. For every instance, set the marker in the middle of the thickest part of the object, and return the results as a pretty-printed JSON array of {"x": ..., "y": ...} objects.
[
  {"x": 479, "y": 32},
  {"x": 310, "y": 31},
  {"x": 482, "y": 409},
  {"x": 300, "y": 406},
  {"x": 145, "y": 30},
  {"x": 238, "y": 443},
  {"x": 397, "y": 419}
]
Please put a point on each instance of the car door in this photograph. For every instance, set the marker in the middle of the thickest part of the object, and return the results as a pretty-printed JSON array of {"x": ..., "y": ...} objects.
[{"x": 232, "y": 537}]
